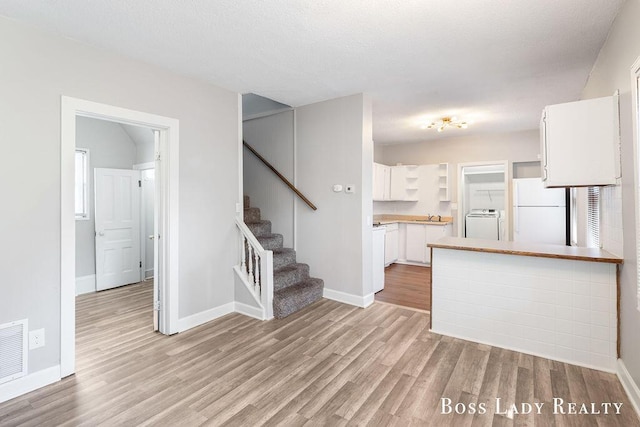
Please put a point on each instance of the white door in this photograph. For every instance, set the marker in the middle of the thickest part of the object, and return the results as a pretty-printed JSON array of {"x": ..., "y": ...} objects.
[{"x": 117, "y": 198}]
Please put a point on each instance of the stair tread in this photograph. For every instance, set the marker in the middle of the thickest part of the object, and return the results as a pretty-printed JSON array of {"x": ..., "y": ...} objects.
[
  {"x": 308, "y": 282},
  {"x": 294, "y": 298},
  {"x": 290, "y": 267}
]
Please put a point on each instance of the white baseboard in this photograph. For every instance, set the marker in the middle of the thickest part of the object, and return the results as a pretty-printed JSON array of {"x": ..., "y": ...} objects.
[
  {"x": 346, "y": 298},
  {"x": 148, "y": 274},
  {"x": 30, "y": 382},
  {"x": 629, "y": 385},
  {"x": 85, "y": 284},
  {"x": 248, "y": 310},
  {"x": 204, "y": 316}
]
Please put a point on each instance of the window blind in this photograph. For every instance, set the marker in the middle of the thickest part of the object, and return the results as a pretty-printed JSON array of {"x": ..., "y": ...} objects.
[{"x": 593, "y": 217}]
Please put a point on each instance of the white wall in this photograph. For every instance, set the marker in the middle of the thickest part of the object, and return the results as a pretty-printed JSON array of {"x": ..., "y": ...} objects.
[
  {"x": 334, "y": 146},
  {"x": 37, "y": 69},
  {"x": 610, "y": 72},
  {"x": 109, "y": 147},
  {"x": 272, "y": 137}
]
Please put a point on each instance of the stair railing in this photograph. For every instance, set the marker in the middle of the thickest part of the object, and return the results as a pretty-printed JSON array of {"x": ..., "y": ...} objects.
[
  {"x": 256, "y": 268},
  {"x": 279, "y": 175}
]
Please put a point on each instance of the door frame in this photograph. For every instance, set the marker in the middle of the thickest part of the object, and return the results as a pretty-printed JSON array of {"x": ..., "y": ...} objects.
[
  {"x": 167, "y": 178},
  {"x": 142, "y": 167},
  {"x": 461, "y": 193}
]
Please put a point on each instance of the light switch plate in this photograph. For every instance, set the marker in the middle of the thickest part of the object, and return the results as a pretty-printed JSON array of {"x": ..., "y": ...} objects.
[{"x": 337, "y": 188}]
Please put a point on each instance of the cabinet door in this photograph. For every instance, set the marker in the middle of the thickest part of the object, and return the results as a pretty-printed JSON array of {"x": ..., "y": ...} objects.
[
  {"x": 378, "y": 182},
  {"x": 391, "y": 247},
  {"x": 579, "y": 143},
  {"x": 416, "y": 243},
  {"x": 386, "y": 182},
  {"x": 398, "y": 183}
]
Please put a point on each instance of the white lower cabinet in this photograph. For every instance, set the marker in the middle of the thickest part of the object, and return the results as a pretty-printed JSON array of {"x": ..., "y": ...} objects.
[
  {"x": 416, "y": 237},
  {"x": 378, "y": 258},
  {"x": 391, "y": 244}
]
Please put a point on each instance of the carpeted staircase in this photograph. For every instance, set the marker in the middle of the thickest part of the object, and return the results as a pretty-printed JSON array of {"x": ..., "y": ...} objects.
[{"x": 293, "y": 288}]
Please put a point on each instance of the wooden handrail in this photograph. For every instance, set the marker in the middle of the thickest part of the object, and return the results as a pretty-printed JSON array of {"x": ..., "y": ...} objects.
[{"x": 285, "y": 180}]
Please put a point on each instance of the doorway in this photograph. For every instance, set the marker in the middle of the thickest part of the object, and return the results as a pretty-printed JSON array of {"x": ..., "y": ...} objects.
[{"x": 166, "y": 233}]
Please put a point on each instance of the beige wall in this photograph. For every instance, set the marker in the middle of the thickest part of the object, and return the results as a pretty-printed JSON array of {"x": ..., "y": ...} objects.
[
  {"x": 334, "y": 146},
  {"x": 37, "y": 69},
  {"x": 610, "y": 72}
]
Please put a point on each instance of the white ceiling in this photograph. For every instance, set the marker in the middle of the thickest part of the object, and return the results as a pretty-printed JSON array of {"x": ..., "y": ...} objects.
[{"x": 496, "y": 62}]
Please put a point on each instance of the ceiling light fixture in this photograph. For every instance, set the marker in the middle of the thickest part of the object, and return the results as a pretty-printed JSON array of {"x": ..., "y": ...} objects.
[{"x": 446, "y": 122}]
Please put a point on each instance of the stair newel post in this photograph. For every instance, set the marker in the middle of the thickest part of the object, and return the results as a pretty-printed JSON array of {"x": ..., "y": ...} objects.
[{"x": 266, "y": 265}]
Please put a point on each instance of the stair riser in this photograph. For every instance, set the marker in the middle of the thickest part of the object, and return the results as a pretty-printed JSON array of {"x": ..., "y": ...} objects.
[
  {"x": 290, "y": 300},
  {"x": 262, "y": 228},
  {"x": 272, "y": 242},
  {"x": 283, "y": 259},
  {"x": 289, "y": 277},
  {"x": 251, "y": 215}
]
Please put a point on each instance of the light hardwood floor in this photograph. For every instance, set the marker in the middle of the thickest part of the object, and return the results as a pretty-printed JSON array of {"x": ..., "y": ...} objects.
[
  {"x": 407, "y": 285},
  {"x": 330, "y": 364}
]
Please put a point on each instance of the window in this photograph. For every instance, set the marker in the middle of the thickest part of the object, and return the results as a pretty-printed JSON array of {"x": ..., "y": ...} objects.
[
  {"x": 593, "y": 217},
  {"x": 82, "y": 184}
]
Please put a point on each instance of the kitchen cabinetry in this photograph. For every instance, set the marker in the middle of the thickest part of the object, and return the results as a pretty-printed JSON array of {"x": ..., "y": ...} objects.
[
  {"x": 390, "y": 244},
  {"x": 580, "y": 143},
  {"x": 404, "y": 183},
  {"x": 417, "y": 237},
  {"x": 381, "y": 182},
  {"x": 443, "y": 182}
]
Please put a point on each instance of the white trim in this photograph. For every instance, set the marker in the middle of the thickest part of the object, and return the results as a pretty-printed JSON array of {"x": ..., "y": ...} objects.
[
  {"x": 168, "y": 229},
  {"x": 144, "y": 166},
  {"x": 205, "y": 316},
  {"x": 358, "y": 301},
  {"x": 247, "y": 285},
  {"x": 247, "y": 310},
  {"x": 85, "y": 284},
  {"x": 630, "y": 387},
  {"x": 29, "y": 383}
]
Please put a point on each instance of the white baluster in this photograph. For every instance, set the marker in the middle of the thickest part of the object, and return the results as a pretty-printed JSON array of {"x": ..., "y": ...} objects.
[
  {"x": 243, "y": 256},
  {"x": 257, "y": 274},
  {"x": 250, "y": 267}
]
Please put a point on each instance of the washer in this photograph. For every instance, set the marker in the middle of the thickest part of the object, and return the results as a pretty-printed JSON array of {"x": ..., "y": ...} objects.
[{"x": 482, "y": 224}]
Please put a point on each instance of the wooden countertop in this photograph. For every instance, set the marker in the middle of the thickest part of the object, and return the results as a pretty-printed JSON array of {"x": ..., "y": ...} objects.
[
  {"x": 410, "y": 219},
  {"x": 526, "y": 249}
]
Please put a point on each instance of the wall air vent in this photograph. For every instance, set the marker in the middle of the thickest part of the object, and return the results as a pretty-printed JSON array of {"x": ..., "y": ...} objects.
[{"x": 13, "y": 350}]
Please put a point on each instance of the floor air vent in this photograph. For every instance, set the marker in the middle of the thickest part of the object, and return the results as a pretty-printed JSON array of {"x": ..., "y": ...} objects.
[{"x": 13, "y": 350}]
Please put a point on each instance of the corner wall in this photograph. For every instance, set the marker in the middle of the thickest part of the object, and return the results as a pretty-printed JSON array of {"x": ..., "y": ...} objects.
[
  {"x": 334, "y": 146},
  {"x": 612, "y": 71}
]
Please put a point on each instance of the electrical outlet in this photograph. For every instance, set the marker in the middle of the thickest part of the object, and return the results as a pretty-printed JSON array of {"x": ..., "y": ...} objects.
[{"x": 36, "y": 339}]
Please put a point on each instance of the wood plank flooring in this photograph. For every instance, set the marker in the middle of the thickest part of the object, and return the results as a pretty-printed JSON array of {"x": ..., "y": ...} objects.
[
  {"x": 406, "y": 285},
  {"x": 330, "y": 364}
]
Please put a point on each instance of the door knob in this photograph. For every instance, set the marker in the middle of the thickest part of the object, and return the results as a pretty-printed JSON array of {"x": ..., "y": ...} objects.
[{"x": 100, "y": 233}]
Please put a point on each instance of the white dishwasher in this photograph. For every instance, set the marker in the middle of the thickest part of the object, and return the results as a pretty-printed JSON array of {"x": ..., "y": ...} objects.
[{"x": 378, "y": 258}]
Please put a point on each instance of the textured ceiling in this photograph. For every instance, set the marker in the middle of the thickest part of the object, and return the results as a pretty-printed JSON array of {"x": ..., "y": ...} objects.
[{"x": 495, "y": 62}]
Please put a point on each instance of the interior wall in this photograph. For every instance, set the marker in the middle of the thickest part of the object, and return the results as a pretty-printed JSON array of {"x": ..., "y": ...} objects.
[
  {"x": 272, "y": 137},
  {"x": 610, "y": 72},
  {"x": 109, "y": 147},
  {"x": 334, "y": 146},
  {"x": 37, "y": 69}
]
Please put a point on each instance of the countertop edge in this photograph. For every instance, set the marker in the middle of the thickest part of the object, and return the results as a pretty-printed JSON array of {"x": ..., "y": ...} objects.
[{"x": 602, "y": 256}]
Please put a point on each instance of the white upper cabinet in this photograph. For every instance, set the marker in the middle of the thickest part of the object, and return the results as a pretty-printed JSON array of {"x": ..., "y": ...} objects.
[
  {"x": 404, "y": 183},
  {"x": 580, "y": 143},
  {"x": 381, "y": 182}
]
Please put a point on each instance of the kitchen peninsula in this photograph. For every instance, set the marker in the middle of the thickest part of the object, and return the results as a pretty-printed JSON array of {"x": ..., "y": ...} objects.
[{"x": 556, "y": 302}]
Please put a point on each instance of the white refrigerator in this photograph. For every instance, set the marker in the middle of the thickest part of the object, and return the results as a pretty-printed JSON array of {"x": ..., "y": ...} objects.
[{"x": 539, "y": 213}]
